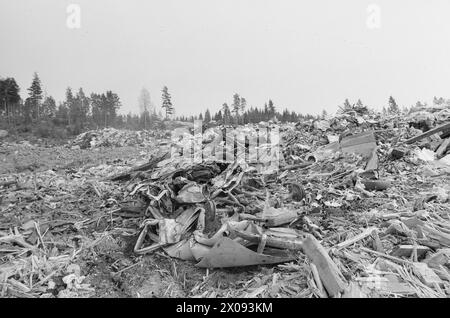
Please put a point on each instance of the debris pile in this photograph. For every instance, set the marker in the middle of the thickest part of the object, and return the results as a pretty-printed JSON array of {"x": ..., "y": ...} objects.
[
  {"x": 350, "y": 205},
  {"x": 41, "y": 230},
  {"x": 111, "y": 137},
  {"x": 358, "y": 206}
]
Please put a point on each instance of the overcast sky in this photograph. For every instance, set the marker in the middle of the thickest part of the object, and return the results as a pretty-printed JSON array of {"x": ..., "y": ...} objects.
[{"x": 304, "y": 55}]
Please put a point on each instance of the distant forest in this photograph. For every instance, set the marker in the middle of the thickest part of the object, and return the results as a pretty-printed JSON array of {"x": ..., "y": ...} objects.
[{"x": 40, "y": 114}]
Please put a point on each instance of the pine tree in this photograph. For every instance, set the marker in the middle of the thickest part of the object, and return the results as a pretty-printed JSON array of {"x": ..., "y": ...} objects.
[
  {"x": 166, "y": 102},
  {"x": 96, "y": 102},
  {"x": 393, "y": 107},
  {"x": 266, "y": 112},
  {"x": 218, "y": 116},
  {"x": 35, "y": 96},
  {"x": 104, "y": 108},
  {"x": 243, "y": 104},
  {"x": 113, "y": 104},
  {"x": 78, "y": 107},
  {"x": 207, "y": 116},
  {"x": 271, "y": 108},
  {"x": 85, "y": 104},
  {"x": 75, "y": 112},
  {"x": 347, "y": 105},
  {"x": 9, "y": 95},
  {"x": 226, "y": 113},
  {"x": 48, "y": 107},
  {"x": 62, "y": 115},
  {"x": 69, "y": 104},
  {"x": 236, "y": 104}
]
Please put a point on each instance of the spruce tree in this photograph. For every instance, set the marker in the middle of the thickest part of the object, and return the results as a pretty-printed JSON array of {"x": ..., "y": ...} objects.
[
  {"x": 271, "y": 108},
  {"x": 243, "y": 104},
  {"x": 207, "y": 116},
  {"x": 167, "y": 102},
  {"x": 35, "y": 96},
  {"x": 48, "y": 107},
  {"x": 226, "y": 113}
]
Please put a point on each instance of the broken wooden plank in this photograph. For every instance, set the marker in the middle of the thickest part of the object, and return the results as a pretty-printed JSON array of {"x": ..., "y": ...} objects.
[
  {"x": 384, "y": 285},
  {"x": 319, "y": 284},
  {"x": 329, "y": 273},
  {"x": 441, "y": 257},
  {"x": 367, "y": 232},
  {"x": 442, "y": 273},
  {"x": 377, "y": 245},
  {"x": 441, "y": 237},
  {"x": 392, "y": 258},
  {"x": 442, "y": 148},
  {"x": 428, "y": 133},
  {"x": 426, "y": 274},
  {"x": 406, "y": 250}
]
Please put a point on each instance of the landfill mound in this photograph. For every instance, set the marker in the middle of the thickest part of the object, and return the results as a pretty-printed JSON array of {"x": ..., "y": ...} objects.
[
  {"x": 111, "y": 137},
  {"x": 358, "y": 206}
]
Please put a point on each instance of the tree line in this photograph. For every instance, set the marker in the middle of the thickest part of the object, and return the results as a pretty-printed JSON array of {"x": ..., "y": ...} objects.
[
  {"x": 76, "y": 113},
  {"x": 238, "y": 113},
  {"x": 79, "y": 111}
]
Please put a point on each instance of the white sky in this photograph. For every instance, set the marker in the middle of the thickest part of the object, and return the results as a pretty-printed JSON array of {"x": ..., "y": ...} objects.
[{"x": 304, "y": 55}]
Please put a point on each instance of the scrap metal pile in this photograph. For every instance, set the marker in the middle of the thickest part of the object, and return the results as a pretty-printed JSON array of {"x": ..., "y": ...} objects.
[
  {"x": 370, "y": 214},
  {"x": 357, "y": 206}
]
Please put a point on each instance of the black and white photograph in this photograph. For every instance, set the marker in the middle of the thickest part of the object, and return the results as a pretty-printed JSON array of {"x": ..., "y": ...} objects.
[{"x": 235, "y": 151}]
